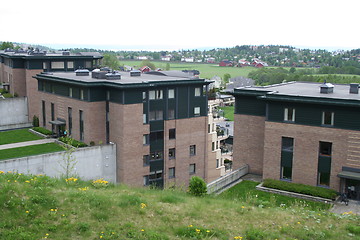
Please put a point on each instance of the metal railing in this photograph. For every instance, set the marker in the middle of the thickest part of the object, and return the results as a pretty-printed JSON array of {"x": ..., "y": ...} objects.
[{"x": 227, "y": 179}]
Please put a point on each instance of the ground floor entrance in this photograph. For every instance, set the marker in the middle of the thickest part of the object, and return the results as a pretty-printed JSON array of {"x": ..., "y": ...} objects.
[{"x": 352, "y": 189}]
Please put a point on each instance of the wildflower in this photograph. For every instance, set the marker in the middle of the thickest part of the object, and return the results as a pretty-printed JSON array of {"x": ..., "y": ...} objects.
[
  {"x": 27, "y": 181},
  {"x": 190, "y": 225},
  {"x": 84, "y": 189},
  {"x": 27, "y": 211},
  {"x": 238, "y": 237},
  {"x": 207, "y": 231},
  {"x": 143, "y": 205},
  {"x": 101, "y": 236},
  {"x": 72, "y": 179},
  {"x": 9, "y": 171},
  {"x": 1, "y": 172},
  {"x": 197, "y": 230},
  {"x": 142, "y": 230},
  {"x": 298, "y": 222},
  {"x": 242, "y": 207}
]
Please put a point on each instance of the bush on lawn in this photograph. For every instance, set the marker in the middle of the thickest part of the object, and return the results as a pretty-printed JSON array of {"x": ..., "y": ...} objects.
[
  {"x": 72, "y": 142},
  {"x": 300, "y": 188},
  {"x": 42, "y": 130}
]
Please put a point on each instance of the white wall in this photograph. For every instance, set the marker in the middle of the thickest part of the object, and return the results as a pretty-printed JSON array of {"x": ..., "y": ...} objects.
[
  {"x": 92, "y": 163},
  {"x": 13, "y": 111}
]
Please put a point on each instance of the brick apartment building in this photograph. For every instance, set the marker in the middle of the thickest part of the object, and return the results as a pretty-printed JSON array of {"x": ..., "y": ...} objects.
[
  {"x": 17, "y": 68},
  {"x": 300, "y": 132},
  {"x": 158, "y": 120}
]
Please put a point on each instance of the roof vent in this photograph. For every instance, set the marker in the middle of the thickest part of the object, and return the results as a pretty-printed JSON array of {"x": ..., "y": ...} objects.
[
  {"x": 98, "y": 74},
  {"x": 135, "y": 73},
  {"x": 326, "y": 88},
  {"x": 66, "y": 53},
  {"x": 82, "y": 72},
  {"x": 354, "y": 88},
  {"x": 113, "y": 76},
  {"x": 106, "y": 69}
]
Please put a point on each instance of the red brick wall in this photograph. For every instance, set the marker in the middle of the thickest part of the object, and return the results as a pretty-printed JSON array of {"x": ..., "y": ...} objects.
[
  {"x": 32, "y": 93},
  {"x": 249, "y": 142}
]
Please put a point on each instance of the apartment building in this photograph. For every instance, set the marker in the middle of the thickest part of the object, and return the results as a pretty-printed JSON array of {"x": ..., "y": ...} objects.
[
  {"x": 300, "y": 132},
  {"x": 157, "y": 120},
  {"x": 17, "y": 68}
]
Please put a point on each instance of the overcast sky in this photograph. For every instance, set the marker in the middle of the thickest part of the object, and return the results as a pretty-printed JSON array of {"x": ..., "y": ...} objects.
[{"x": 183, "y": 24}]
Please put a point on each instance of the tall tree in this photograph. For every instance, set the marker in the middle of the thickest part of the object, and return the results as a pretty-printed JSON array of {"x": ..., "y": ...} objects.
[{"x": 110, "y": 60}]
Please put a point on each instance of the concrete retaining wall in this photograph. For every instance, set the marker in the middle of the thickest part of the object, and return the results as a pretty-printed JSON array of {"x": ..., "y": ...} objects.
[
  {"x": 92, "y": 163},
  {"x": 14, "y": 112}
]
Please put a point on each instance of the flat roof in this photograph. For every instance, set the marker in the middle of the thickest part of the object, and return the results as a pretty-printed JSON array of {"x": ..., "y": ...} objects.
[
  {"x": 304, "y": 89},
  {"x": 50, "y": 54},
  {"x": 125, "y": 77}
]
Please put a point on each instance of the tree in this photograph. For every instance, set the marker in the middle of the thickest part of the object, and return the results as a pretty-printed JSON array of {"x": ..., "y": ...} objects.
[
  {"x": 197, "y": 186},
  {"x": 167, "y": 68},
  {"x": 292, "y": 70},
  {"x": 5, "y": 45},
  {"x": 226, "y": 78},
  {"x": 68, "y": 162},
  {"x": 149, "y": 64},
  {"x": 110, "y": 60}
]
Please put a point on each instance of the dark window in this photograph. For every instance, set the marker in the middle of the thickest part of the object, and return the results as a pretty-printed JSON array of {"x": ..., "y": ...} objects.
[
  {"x": 171, "y": 153},
  {"x": 323, "y": 178},
  {"x": 155, "y": 115},
  {"x": 146, "y": 160},
  {"x": 325, "y": 148},
  {"x": 155, "y": 175},
  {"x": 156, "y": 136},
  {"x": 213, "y": 146},
  {"x": 328, "y": 118},
  {"x": 192, "y": 150},
  {"x": 286, "y": 172},
  {"x": 287, "y": 144},
  {"x": 157, "y": 155},
  {"x": 52, "y": 116},
  {"x": 171, "y": 172},
  {"x": 192, "y": 168},
  {"x": 81, "y": 120},
  {"x": 70, "y": 120},
  {"x": 172, "y": 133},
  {"x": 43, "y": 113}
]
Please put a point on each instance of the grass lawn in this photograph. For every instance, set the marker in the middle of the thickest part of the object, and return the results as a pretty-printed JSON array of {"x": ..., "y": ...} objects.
[
  {"x": 14, "y": 136},
  {"x": 245, "y": 191},
  {"x": 29, "y": 150},
  {"x": 228, "y": 112},
  {"x": 39, "y": 207},
  {"x": 207, "y": 70}
]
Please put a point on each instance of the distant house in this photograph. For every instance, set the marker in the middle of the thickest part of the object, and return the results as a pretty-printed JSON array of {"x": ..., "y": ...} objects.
[
  {"x": 226, "y": 63},
  {"x": 166, "y": 58},
  {"x": 187, "y": 59},
  {"x": 145, "y": 69},
  {"x": 258, "y": 63},
  {"x": 210, "y": 60},
  {"x": 142, "y": 58},
  {"x": 244, "y": 63}
]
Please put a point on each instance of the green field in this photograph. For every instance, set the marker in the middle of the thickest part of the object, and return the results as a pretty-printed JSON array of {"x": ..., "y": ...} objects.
[
  {"x": 228, "y": 112},
  {"x": 29, "y": 151},
  {"x": 39, "y": 207},
  {"x": 206, "y": 70},
  {"x": 14, "y": 136}
]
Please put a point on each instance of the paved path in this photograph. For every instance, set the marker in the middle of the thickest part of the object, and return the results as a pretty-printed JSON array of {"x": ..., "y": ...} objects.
[
  {"x": 28, "y": 143},
  {"x": 341, "y": 208}
]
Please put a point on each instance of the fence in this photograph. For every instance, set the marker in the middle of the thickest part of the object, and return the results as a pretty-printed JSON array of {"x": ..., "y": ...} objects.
[{"x": 227, "y": 180}]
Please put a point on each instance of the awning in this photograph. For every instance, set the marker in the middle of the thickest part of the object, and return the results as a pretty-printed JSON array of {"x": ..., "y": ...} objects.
[
  {"x": 57, "y": 122},
  {"x": 349, "y": 175}
]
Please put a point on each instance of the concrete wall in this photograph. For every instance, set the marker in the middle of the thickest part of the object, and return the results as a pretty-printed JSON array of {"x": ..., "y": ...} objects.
[
  {"x": 92, "y": 163},
  {"x": 13, "y": 111}
]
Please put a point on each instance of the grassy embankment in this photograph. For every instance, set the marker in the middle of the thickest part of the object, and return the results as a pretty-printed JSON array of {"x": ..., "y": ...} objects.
[
  {"x": 14, "y": 136},
  {"x": 38, "y": 207},
  {"x": 228, "y": 112}
]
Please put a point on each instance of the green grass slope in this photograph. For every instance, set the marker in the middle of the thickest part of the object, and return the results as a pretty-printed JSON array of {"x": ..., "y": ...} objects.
[
  {"x": 14, "y": 136},
  {"x": 39, "y": 207}
]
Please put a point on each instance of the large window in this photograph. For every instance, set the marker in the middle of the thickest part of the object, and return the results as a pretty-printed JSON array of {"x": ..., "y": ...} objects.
[
  {"x": 171, "y": 113},
  {"x": 156, "y": 155},
  {"x": 289, "y": 114},
  {"x": 287, "y": 148},
  {"x": 70, "y": 120},
  {"x": 70, "y": 92},
  {"x": 197, "y": 92},
  {"x": 171, "y": 93},
  {"x": 146, "y": 160},
  {"x": 156, "y": 136},
  {"x": 192, "y": 150},
  {"x": 155, "y": 94},
  {"x": 70, "y": 65},
  {"x": 81, "y": 120},
  {"x": 328, "y": 118},
  {"x": 155, "y": 115},
  {"x": 52, "y": 116},
  {"x": 57, "y": 65},
  {"x": 324, "y": 163}
]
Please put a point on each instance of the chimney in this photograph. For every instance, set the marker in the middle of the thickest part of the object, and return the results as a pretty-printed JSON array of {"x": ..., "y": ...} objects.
[
  {"x": 354, "y": 88},
  {"x": 326, "y": 88}
]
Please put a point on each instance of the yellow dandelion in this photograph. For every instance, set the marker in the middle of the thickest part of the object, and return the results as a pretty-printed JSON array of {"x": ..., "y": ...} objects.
[
  {"x": 101, "y": 236},
  {"x": 27, "y": 181},
  {"x": 197, "y": 230},
  {"x": 27, "y": 211},
  {"x": 143, "y": 205},
  {"x": 242, "y": 207},
  {"x": 1, "y": 172},
  {"x": 207, "y": 231},
  {"x": 298, "y": 222},
  {"x": 190, "y": 225},
  {"x": 142, "y": 230}
]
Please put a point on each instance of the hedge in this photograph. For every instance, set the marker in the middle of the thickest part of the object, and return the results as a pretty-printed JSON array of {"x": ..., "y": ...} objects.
[
  {"x": 300, "y": 188},
  {"x": 42, "y": 130},
  {"x": 72, "y": 142}
]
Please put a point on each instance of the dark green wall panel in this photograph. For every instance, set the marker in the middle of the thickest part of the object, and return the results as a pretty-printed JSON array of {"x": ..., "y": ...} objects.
[{"x": 250, "y": 105}]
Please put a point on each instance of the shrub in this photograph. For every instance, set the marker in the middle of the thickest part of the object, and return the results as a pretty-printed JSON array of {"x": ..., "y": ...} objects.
[
  {"x": 42, "y": 130},
  {"x": 300, "y": 188},
  {"x": 197, "y": 186},
  {"x": 72, "y": 142},
  {"x": 35, "y": 121}
]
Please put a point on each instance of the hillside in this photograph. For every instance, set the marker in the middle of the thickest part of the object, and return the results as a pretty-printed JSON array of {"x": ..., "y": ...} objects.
[{"x": 39, "y": 207}]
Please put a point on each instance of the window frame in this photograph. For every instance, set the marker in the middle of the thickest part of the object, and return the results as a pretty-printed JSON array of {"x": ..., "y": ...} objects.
[
  {"x": 197, "y": 92},
  {"x": 192, "y": 150},
  {"x": 172, "y": 172},
  {"x": 172, "y": 133},
  {"x": 192, "y": 168},
  {"x": 324, "y": 118},
  {"x": 287, "y": 112},
  {"x": 172, "y": 152}
]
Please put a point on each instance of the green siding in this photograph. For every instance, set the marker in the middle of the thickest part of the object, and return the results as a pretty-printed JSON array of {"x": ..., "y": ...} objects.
[
  {"x": 156, "y": 126},
  {"x": 18, "y": 63},
  {"x": 183, "y": 102},
  {"x": 61, "y": 90},
  {"x": 34, "y": 64},
  {"x": 116, "y": 96},
  {"x": 249, "y": 105},
  {"x": 133, "y": 96},
  {"x": 97, "y": 94}
]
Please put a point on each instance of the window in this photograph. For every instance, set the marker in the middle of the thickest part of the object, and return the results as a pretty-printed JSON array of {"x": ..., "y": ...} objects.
[
  {"x": 155, "y": 94},
  {"x": 52, "y": 112},
  {"x": 328, "y": 118},
  {"x": 43, "y": 113},
  {"x": 289, "y": 114},
  {"x": 57, "y": 65},
  {"x": 144, "y": 118},
  {"x": 70, "y": 120},
  {"x": 192, "y": 168},
  {"x": 146, "y": 160},
  {"x": 171, "y": 93},
  {"x": 146, "y": 180},
  {"x": 324, "y": 179},
  {"x": 81, "y": 94},
  {"x": 144, "y": 95},
  {"x": 70, "y": 92},
  {"x": 213, "y": 146},
  {"x": 155, "y": 115},
  {"x": 70, "y": 64},
  {"x": 156, "y": 175},
  {"x": 171, "y": 172},
  {"x": 325, "y": 148},
  {"x": 171, "y": 114},
  {"x": 217, "y": 163},
  {"x": 172, "y": 133},
  {"x": 88, "y": 64},
  {"x": 157, "y": 155},
  {"x": 197, "y": 92},
  {"x": 81, "y": 120},
  {"x": 192, "y": 150},
  {"x": 171, "y": 153},
  {"x": 196, "y": 111},
  {"x": 146, "y": 139},
  {"x": 156, "y": 136},
  {"x": 287, "y": 148},
  {"x": 52, "y": 88}
]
